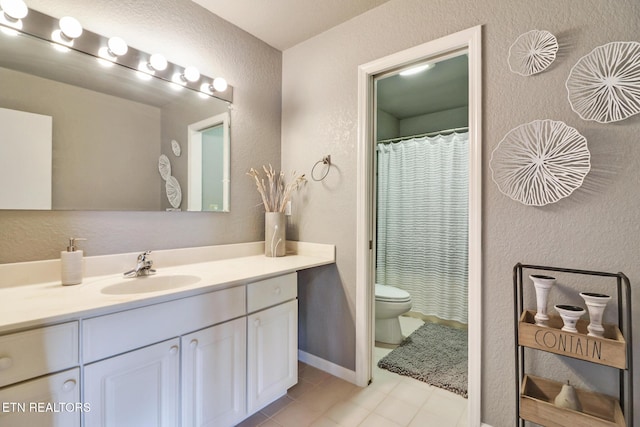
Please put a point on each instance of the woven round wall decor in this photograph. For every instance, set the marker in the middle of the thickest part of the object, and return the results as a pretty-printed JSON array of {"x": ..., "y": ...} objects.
[
  {"x": 604, "y": 85},
  {"x": 541, "y": 162},
  {"x": 532, "y": 52}
]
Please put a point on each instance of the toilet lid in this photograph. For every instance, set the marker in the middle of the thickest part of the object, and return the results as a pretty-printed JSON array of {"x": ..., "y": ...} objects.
[{"x": 391, "y": 294}]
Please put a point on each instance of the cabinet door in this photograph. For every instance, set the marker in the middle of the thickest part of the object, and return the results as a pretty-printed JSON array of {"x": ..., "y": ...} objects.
[
  {"x": 214, "y": 375},
  {"x": 272, "y": 354},
  {"x": 137, "y": 389},
  {"x": 51, "y": 401}
]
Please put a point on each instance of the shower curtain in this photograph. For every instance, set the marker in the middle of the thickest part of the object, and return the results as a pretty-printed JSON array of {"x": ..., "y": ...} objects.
[{"x": 422, "y": 222}]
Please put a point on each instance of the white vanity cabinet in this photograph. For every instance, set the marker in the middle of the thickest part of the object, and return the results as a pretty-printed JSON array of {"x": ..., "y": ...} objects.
[
  {"x": 272, "y": 340},
  {"x": 137, "y": 389},
  {"x": 44, "y": 402},
  {"x": 45, "y": 354},
  {"x": 214, "y": 375},
  {"x": 204, "y": 360}
]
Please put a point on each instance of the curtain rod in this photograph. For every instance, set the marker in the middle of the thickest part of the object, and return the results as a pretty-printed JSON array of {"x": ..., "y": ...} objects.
[{"x": 401, "y": 138}]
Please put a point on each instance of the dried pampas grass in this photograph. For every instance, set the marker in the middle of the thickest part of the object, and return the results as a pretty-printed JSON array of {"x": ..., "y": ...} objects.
[{"x": 275, "y": 192}]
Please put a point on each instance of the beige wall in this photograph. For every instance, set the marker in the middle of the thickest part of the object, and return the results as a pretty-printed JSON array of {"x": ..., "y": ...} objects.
[
  {"x": 186, "y": 34},
  {"x": 596, "y": 228}
]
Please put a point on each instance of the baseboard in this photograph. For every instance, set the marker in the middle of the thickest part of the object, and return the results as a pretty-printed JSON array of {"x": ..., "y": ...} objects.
[
  {"x": 485, "y": 425},
  {"x": 329, "y": 367}
]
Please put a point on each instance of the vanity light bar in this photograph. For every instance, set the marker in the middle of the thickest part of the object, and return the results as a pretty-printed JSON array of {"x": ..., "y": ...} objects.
[{"x": 116, "y": 51}]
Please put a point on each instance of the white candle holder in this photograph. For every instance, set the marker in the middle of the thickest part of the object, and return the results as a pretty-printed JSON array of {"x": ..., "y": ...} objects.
[
  {"x": 596, "y": 304},
  {"x": 543, "y": 285},
  {"x": 570, "y": 315}
]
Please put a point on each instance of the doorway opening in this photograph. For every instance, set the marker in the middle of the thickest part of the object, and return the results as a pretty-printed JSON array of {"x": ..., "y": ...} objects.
[
  {"x": 463, "y": 46},
  {"x": 420, "y": 239}
]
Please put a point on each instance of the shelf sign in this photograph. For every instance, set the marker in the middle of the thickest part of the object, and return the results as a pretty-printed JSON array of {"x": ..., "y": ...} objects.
[{"x": 566, "y": 343}]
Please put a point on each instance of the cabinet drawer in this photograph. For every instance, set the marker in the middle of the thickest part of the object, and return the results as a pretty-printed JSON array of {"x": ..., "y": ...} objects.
[
  {"x": 29, "y": 354},
  {"x": 266, "y": 293},
  {"x": 25, "y": 404},
  {"x": 120, "y": 332}
]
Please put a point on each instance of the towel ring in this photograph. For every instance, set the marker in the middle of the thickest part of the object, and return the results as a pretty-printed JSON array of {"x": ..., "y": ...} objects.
[{"x": 326, "y": 160}]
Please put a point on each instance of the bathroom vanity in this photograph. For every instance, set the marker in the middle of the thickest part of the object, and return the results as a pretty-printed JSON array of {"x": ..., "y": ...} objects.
[{"x": 210, "y": 352}]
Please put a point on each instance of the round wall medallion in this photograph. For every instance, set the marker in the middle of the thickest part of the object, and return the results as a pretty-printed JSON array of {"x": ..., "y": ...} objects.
[
  {"x": 604, "y": 85},
  {"x": 175, "y": 147},
  {"x": 164, "y": 166},
  {"x": 174, "y": 192},
  {"x": 532, "y": 52},
  {"x": 540, "y": 162}
]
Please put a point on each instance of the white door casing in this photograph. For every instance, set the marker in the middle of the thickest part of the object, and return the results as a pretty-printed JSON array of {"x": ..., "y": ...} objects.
[{"x": 469, "y": 40}]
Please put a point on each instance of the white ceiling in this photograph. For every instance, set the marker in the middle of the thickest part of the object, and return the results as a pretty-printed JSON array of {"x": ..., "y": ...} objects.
[{"x": 285, "y": 23}]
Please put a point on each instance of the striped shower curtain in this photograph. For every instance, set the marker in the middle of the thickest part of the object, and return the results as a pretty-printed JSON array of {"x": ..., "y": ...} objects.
[{"x": 422, "y": 222}]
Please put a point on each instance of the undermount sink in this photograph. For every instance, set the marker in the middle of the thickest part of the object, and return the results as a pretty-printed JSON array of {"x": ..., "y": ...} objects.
[{"x": 143, "y": 284}]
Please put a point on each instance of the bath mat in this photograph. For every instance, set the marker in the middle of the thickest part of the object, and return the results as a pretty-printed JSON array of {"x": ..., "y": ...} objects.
[{"x": 435, "y": 354}]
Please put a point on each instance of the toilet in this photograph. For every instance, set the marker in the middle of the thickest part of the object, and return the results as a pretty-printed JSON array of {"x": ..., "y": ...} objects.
[{"x": 391, "y": 302}]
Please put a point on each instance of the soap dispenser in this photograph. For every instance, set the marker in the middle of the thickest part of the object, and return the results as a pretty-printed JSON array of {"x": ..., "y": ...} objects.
[{"x": 71, "y": 263}]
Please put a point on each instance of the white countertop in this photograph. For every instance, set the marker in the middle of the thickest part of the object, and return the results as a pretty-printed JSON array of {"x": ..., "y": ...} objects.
[{"x": 36, "y": 304}]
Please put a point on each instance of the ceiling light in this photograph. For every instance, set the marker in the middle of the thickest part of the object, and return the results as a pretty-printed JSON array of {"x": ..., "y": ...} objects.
[
  {"x": 157, "y": 62},
  {"x": 12, "y": 13},
  {"x": 115, "y": 47},
  {"x": 220, "y": 84},
  {"x": 206, "y": 88},
  {"x": 416, "y": 70},
  {"x": 70, "y": 29},
  {"x": 191, "y": 74},
  {"x": 14, "y": 10}
]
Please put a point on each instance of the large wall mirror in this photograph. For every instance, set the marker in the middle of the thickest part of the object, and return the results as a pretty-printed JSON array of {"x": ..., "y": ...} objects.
[{"x": 78, "y": 135}]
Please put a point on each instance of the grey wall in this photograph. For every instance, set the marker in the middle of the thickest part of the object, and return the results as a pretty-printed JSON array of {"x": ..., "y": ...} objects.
[
  {"x": 595, "y": 228},
  {"x": 186, "y": 34}
]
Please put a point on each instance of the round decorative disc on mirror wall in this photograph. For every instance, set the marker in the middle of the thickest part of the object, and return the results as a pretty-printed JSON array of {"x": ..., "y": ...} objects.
[
  {"x": 541, "y": 162},
  {"x": 175, "y": 147},
  {"x": 164, "y": 166},
  {"x": 604, "y": 85},
  {"x": 174, "y": 192},
  {"x": 532, "y": 52}
]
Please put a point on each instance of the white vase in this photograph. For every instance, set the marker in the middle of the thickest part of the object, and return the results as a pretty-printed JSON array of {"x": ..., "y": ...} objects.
[
  {"x": 596, "y": 304},
  {"x": 543, "y": 285},
  {"x": 570, "y": 315},
  {"x": 275, "y": 227}
]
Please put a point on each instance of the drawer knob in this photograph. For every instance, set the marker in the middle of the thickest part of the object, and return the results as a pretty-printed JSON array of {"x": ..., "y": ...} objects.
[
  {"x": 174, "y": 349},
  {"x": 256, "y": 323},
  {"x": 194, "y": 343},
  {"x": 277, "y": 290},
  {"x": 69, "y": 385},
  {"x": 5, "y": 363}
]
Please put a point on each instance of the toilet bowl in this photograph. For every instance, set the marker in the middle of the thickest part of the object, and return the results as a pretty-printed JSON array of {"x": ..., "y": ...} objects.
[{"x": 391, "y": 302}]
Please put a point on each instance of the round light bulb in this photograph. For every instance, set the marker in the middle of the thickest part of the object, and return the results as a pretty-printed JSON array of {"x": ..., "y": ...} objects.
[
  {"x": 15, "y": 9},
  {"x": 117, "y": 46},
  {"x": 70, "y": 27},
  {"x": 192, "y": 74},
  {"x": 206, "y": 88},
  {"x": 158, "y": 62},
  {"x": 220, "y": 84}
]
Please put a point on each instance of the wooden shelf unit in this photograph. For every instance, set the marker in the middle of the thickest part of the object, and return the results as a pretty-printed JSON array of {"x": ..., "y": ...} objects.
[{"x": 535, "y": 395}]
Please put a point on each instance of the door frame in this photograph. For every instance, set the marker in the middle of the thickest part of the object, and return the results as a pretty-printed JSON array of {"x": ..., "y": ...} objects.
[{"x": 470, "y": 40}]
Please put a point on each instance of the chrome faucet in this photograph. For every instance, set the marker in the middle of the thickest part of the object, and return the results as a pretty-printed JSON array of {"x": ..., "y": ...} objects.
[{"x": 143, "y": 268}]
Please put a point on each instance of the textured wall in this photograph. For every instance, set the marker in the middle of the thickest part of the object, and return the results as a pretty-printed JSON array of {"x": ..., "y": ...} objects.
[
  {"x": 186, "y": 34},
  {"x": 596, "y": 228}
]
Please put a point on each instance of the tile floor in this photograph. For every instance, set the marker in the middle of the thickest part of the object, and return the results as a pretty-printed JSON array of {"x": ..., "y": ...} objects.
[{"x": 322, "y": 400}]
